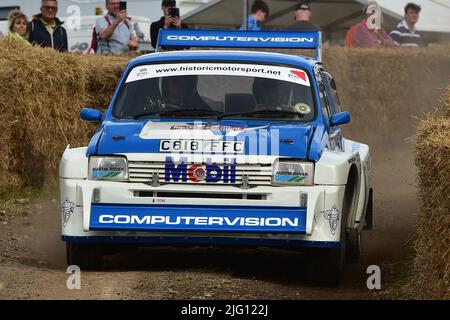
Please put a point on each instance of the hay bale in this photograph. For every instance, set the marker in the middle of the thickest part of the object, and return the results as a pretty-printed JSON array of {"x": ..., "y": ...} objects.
[
  {"x": 102, "y": 76},
  {"x": 381, "y": 88},
  {"x": 39, "y": 88},
  {"x": 446, "y": 102},
  {"x": 42, "y": 94},
  {"x": 431, "y": 273}
]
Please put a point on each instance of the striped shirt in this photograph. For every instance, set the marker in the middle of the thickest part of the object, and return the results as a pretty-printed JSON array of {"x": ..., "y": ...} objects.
[{"x": 405, "y": 37}]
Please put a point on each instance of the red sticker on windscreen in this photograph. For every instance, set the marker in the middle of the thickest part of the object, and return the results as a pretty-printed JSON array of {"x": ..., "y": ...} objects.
[{"x": 300, "y": 74}]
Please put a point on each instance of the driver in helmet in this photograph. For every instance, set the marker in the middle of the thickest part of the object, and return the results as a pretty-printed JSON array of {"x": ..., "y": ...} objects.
[
  {"x": 180, "y": 92},
  {"x": 271, "y": 94},
  {"x": 276, "y": 95}
]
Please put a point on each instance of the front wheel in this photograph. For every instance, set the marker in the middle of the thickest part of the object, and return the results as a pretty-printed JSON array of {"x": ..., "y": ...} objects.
[
  {"x": 326, "y": 266},
  {"x": 353, "y": 245}
]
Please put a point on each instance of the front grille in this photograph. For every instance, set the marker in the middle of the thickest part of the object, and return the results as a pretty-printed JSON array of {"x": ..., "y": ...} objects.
[
  {"x": 251, "y": 174},
  {"x": 199, "y": 195}
]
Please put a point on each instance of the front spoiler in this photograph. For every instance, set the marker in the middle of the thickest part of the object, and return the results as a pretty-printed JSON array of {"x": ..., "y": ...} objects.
[
  {"x": 213, "y": 241},
  {"x": 79, "y": 220}
]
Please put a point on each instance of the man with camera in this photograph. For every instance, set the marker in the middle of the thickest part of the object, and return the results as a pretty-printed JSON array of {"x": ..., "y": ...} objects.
[
  {"x": 170, "y": 20},
  {"x": 114, "y": 31}
]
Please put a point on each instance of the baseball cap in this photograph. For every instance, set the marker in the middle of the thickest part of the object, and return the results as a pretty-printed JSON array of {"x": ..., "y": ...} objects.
[{"x": 303, "y": 6}]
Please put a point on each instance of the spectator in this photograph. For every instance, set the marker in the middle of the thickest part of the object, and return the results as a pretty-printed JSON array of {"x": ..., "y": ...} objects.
[
  {"x": 166, "y": 21},
  {"x": 405, "y": 34},
  {"x": 18, "y": 26},
  {"x": 302, "y": 19},
  {"x": 367, "y": 34},
  {"x": 114, "y": 31},
  {"x": 258, "y": 14},
  {"x": 46, "y": 30}
]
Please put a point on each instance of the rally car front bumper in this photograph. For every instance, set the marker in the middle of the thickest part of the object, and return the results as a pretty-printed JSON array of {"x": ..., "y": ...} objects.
[{"x": 119, "y": 212}]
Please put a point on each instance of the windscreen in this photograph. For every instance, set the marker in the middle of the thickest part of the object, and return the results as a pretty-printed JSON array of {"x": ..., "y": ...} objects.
[{"x": 216, "y": 90}]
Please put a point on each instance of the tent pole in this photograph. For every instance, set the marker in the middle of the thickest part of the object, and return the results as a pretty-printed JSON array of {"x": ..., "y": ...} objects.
[{"x": 245, "y": 24}]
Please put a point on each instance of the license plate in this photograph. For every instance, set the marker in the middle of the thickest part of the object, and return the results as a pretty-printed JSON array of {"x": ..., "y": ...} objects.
[{"x": 202, "y": 146}]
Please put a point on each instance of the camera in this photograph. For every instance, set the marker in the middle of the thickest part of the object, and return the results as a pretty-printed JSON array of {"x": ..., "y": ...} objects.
[
  {"x": 123, "y": 6},
  {"x": 174, "y": 13}
]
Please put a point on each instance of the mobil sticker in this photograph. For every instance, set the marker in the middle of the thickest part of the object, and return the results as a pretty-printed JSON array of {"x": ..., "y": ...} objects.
[{"x": 199, "y": 173}]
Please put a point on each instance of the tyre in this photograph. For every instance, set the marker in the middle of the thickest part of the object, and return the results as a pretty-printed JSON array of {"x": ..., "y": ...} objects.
[
  {"x": 353, "y": 245},
  {"x": 354, "y": 237},
  {"x": 368, "y": 223},
  {"x": 326, "y": 266},
  {"x": 86, "y": 256}
]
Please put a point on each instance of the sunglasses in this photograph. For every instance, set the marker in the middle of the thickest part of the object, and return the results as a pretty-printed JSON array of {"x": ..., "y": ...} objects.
[{"x": 50, "y": 8}]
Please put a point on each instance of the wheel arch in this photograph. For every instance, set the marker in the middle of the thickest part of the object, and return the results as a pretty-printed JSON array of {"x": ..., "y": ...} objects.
[
  {"x": 344, "y": 169},
  {"x": 74, "y": 164},
  {"x": 352, "y": 192}
]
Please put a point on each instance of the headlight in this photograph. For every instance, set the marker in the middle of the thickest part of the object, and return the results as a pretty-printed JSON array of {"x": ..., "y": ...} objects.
[
  {"x": 108, "y": 168},
  {"x": 293, "y": 173}
]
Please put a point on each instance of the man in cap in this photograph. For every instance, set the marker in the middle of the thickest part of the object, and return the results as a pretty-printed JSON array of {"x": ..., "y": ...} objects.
[
  {"x": 302, "y": 19},
  {"x": 405, "y": 34}
]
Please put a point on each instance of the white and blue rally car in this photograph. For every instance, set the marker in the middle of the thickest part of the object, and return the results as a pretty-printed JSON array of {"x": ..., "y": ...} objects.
[{"x": 220, "y": 147}]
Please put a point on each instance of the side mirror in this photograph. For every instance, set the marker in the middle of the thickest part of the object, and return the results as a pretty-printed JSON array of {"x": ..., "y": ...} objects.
[
  {"x": 91, "y": 115},
  {"x": 340, "y": 119}
]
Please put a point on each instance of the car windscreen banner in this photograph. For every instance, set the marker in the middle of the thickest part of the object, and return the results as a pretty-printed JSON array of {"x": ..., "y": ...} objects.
[
  {"x": 239, "y": 39},
  {"x": 293, "y": 75}
]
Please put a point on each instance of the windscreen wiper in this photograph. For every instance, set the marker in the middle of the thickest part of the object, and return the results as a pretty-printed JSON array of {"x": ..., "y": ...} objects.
[
  {"x": 154, "y": 113},
  {"x": 145, "y": 114},
  {"x": 263, "y": 111}
]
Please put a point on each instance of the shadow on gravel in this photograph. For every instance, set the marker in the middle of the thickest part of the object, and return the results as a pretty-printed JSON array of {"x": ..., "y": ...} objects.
[{"x": 276, "y": 266}]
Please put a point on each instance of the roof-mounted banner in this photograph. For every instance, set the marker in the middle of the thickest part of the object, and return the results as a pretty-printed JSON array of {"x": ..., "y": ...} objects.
[{"x": 241, "y": 39}]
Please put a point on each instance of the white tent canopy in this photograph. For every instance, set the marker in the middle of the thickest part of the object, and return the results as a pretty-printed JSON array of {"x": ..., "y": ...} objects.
[{"x": 331, "y": 15}]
